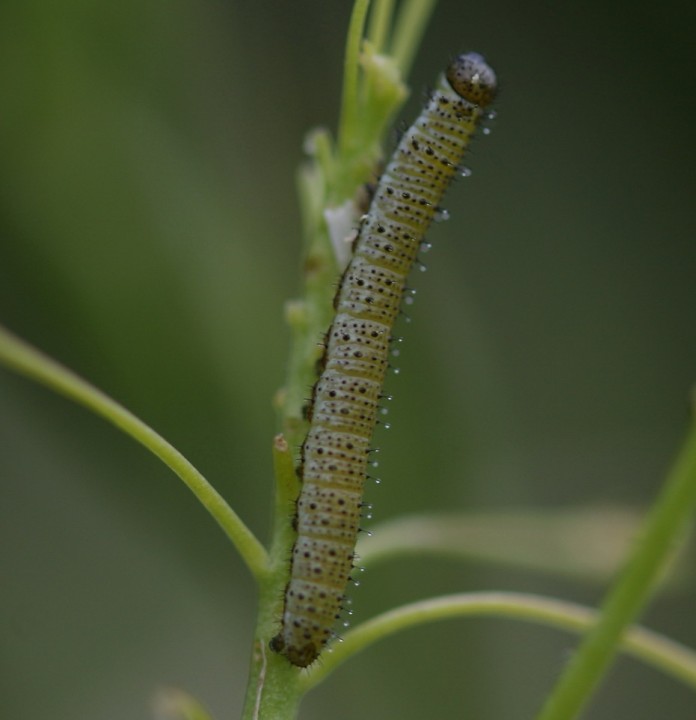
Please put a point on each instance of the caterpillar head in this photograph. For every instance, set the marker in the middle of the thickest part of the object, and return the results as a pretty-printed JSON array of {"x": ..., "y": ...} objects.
[{"x": 472, "y": 79}]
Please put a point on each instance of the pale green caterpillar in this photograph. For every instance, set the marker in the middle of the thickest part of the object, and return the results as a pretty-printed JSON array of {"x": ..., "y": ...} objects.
[{"x": 346, "y": 398}]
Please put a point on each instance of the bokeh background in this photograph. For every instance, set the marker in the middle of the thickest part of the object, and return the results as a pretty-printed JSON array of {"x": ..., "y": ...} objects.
[{"x": 149, "y": 236}]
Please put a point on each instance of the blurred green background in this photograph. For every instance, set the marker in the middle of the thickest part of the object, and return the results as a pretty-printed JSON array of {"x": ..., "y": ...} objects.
[{"x": 149, "y": 236}]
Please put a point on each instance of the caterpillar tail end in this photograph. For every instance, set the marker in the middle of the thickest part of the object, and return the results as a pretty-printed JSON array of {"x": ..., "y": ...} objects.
[{"x": 301, "y": 657}]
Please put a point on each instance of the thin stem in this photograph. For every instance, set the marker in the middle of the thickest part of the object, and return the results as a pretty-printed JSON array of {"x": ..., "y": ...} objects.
[
  {"x": 660, "y": 652},
  {"x": 380, "y": 23},
  {"x": 410, "y": 26},
  {"x": 30, "y": 362},
  {"x": 351, "y": 68},
  {"x": 553, "y": 540},
  {"x": 663, "y": 528}
]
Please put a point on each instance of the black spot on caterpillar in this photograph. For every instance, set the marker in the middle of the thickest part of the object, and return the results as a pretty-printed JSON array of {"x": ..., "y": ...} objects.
[{"x": 345, "y": 399}]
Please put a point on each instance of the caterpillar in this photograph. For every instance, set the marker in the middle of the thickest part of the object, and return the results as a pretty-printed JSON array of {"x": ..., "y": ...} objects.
[{"x": 346, "y": 397}]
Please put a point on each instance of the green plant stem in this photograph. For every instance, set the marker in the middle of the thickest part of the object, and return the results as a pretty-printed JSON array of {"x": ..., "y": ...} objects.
[
  {"x": 408, "y": 31},
  {"x": 273, "y": 691},
  {"x": 663, "y": 527},
  {"x": 380, "y": 24},
  {"x": 351, "y": 69},
  {"x": 658, "y": 651},
  {"x": 30, "y": 362},
  {"x": 373, "y": 91},
  {"x": 583, "y": 542}
]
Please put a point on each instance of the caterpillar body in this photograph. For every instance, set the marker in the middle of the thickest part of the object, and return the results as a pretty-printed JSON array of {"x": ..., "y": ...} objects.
[{"x": 346, "y": 397}]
